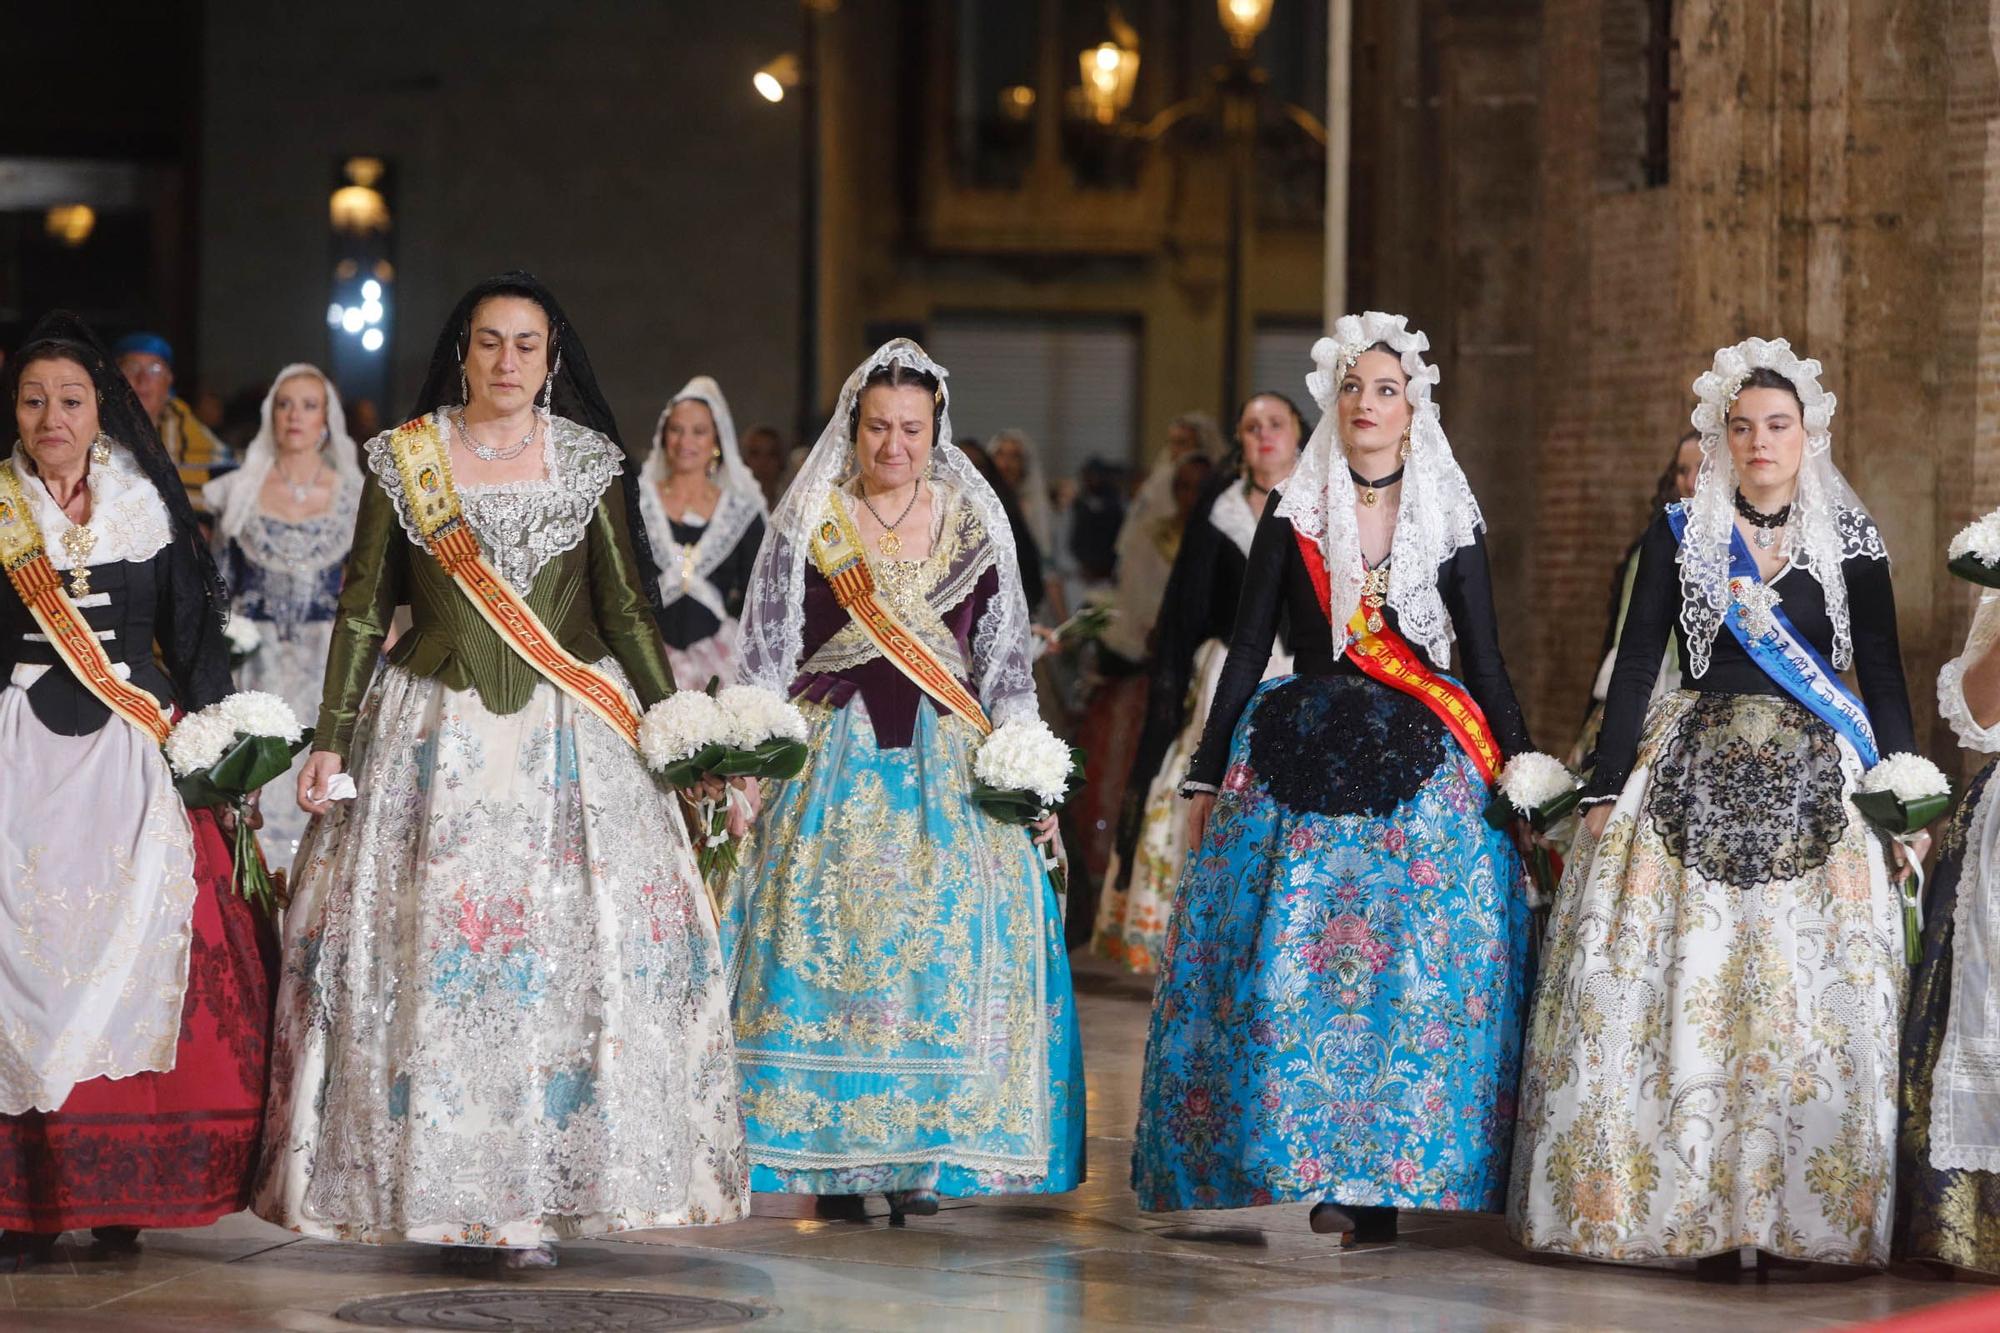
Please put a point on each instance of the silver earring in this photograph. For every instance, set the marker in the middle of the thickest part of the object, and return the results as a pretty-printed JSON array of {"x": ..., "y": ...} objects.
[
  {"x": 549, "y": 384},
  {"x": 464, "y": 387},
  {"x": 100, "y": 449}
]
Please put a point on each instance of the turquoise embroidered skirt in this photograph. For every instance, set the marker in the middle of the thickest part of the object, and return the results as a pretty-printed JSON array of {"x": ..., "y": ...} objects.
[
  {"x": 1340, "y": 1007},
  {"x": 900, "y": 989}
]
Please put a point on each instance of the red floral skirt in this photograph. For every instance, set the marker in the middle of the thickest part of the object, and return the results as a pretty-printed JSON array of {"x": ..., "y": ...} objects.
[{"x": 163, "y": 1150}]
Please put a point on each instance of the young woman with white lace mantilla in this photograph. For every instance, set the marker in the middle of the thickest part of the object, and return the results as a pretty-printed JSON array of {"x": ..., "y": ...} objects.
[
  {"x": 501, "y": 1020},
  {"x": 283, "y": 525},
  {"x": 1711, "y": 1061},
  {"x": 904, "y": 1017},
  {"x": 1337, "y": 1019},
  {"x": 705, "y": 519},
  {"x": 1191, "y": 636}
]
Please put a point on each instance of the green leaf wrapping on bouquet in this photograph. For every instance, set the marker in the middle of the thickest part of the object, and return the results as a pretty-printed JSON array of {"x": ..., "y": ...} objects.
[
  {"x": 249, "y": 876},
  {"x": 686, "y": 772},
  {"x": 1974, "y": 570},
  {"x": 1886, "y": 811},
  {"x": 1008, "y": 805},
  {"x": 249, "y": 764},
  {"x": 777, "y": 760}
]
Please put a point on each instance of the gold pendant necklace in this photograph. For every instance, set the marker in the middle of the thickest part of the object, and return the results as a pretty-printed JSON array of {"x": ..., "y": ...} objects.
[
  {"x": 78, "y": 542},
  {"x": 889, "y": 543},
  {"x": 1374, "y": 591}
]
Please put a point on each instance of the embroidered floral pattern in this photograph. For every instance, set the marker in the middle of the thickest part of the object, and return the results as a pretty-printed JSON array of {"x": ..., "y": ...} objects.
[
  {"x": 1712, "y": 1059},
  {"x": 1338, "y": 1015}
]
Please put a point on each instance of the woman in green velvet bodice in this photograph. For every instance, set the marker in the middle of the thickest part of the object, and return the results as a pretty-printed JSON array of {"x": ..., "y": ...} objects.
[{"x": 501, "y": 1021}]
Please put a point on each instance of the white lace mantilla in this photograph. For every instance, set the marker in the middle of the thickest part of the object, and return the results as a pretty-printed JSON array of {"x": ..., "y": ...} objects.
[
  {"x": 127, "y": 516},
  {"x": 1436, "y": 515},
  {"x": 734, "y": 513},
  {"x": 522, "y": 525}
]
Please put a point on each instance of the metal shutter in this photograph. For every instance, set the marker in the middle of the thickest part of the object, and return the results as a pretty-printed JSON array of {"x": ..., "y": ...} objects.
[{"x": 1072, "y": 383}]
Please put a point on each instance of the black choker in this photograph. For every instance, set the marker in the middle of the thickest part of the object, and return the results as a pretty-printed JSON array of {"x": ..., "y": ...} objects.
[
  {"x": 1764, "y": 523},
  {"x": 1368, "y": 488}
]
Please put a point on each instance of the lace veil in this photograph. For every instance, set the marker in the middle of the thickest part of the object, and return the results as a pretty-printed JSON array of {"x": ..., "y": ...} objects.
[
  {"x": 1438, "y": 513},
  {"x": 773, "y": 638},
  {"x": 1828, "y": 522},
  {"x": 234, "y": 496}
]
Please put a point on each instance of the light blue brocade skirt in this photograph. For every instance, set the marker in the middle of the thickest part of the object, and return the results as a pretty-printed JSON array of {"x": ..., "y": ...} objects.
[{"x": 899, "y": 983}]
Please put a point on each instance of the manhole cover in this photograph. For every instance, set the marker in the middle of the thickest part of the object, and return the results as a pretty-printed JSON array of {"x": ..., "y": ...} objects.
[{"x": 549, "y": 1310}]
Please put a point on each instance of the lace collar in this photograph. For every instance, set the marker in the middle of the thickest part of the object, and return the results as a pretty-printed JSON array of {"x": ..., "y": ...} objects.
[
  {"x": 127, "y": 516},
  {"x": 1232, "y": 516},
  {"x": 522, "y": 525}
]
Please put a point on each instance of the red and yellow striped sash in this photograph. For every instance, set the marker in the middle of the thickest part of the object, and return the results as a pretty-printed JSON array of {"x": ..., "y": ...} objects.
[
  {"x": 836, "y": 549},
  {"x": 1384, "y": 655},
  {"x": 424, "y": 463}
]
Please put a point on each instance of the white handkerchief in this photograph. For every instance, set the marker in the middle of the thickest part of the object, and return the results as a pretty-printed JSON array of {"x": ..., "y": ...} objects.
[{"x": 341, "y": 788}]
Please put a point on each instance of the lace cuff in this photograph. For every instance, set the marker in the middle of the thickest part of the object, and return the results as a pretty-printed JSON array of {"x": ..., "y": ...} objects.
[{"x": 1189, "y": 787}]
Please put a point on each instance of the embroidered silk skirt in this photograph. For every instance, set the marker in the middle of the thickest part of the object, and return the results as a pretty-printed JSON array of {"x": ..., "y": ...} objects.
[
  {"x": 1137, "y": 903},
  {"x": 501, "y": 1019},
  {"x": 1712, "y": 1056},
  {"x": 1951, "y": 1213},
  {"x": 904, "y": 1017},
  {"x": 1338, "y": 1015}
]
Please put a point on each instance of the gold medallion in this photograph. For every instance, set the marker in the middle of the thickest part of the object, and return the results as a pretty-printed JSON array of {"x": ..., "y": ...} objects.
[
  {"x": 888, "y": 544},
  {"x": 1368, "y": 495}
]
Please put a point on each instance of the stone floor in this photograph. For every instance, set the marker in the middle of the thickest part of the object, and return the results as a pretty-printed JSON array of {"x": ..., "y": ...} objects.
[{"x": 1087, "y": 1259}]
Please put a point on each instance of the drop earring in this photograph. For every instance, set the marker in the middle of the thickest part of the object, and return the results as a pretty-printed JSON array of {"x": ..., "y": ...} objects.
[
  {"x": 1404, "y": 453},
  {"x": 464, "y": 388},
  {"x": 549, "y": 384},
  {"x": 100, "y": 449}
]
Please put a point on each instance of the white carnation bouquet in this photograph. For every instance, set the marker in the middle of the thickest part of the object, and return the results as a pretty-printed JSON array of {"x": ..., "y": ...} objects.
[
  {"x": 222, "y": 755},
  {"x": 1900, "y": 796},
  {"x": 1538, "y": 788},
  {"x": 741, "y": 731},
  {"x": 244, "y": 638},
  {"x": 1974, "y": 554},
  {"x": 1022, "y": 772}
]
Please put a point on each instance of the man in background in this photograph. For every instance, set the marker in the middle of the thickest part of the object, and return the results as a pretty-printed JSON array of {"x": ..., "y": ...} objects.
[{"x": 147, "y": 362}]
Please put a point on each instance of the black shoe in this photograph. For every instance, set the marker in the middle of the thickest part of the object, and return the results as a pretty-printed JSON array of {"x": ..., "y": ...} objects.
[
  {"x": 911, "y": 1203},
  {"x": 1354, "y": 1223},
  {"x": 1724, "y": 1267},
  {"x": 116, "y": 1240},
  {"x": 840, "y": 1208},
  {"x": 25, "y": 1249}
]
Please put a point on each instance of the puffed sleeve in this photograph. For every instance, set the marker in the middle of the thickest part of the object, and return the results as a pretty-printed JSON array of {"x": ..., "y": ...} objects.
[
  {"x": 1649, "y": 620},
  {"x": 1878, "y": 655},
  {"x": 1256, "y": 629},
  {"x": 624, "y": 616},
  {"x": 377, "y": 571},
  {"x": 1466, "y": 586},
  {"x": 1952, "y": 704}
]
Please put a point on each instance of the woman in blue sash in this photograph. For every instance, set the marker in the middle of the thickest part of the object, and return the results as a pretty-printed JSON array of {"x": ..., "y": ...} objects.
[
  {"x": 1338, "y": 1017},
  {"x": 1712, "y": 1056},
  {"x": 900, "y": 988}
]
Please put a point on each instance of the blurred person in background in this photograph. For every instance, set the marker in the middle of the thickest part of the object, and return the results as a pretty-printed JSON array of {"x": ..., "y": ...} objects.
[{"x": 147, "y": 362}]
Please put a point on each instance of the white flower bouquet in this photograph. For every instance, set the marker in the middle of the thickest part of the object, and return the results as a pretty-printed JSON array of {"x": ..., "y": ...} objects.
[
  {"x": 223, "y": 755},
  {"x": 1900, "y": 796},
  {"x": 1021, "y": 772},
  {"x": 1974, "y": 554},
  {"x": 1538, "y": 788},
  {"x": 244, "y": 638},
  {"x": 742, "y": 731}
]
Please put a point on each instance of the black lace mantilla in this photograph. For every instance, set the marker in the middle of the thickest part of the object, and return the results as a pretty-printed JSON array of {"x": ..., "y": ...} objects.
[
  {"x": 1747, "y": 790},
  {"x": 1343, "y": 745}
]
